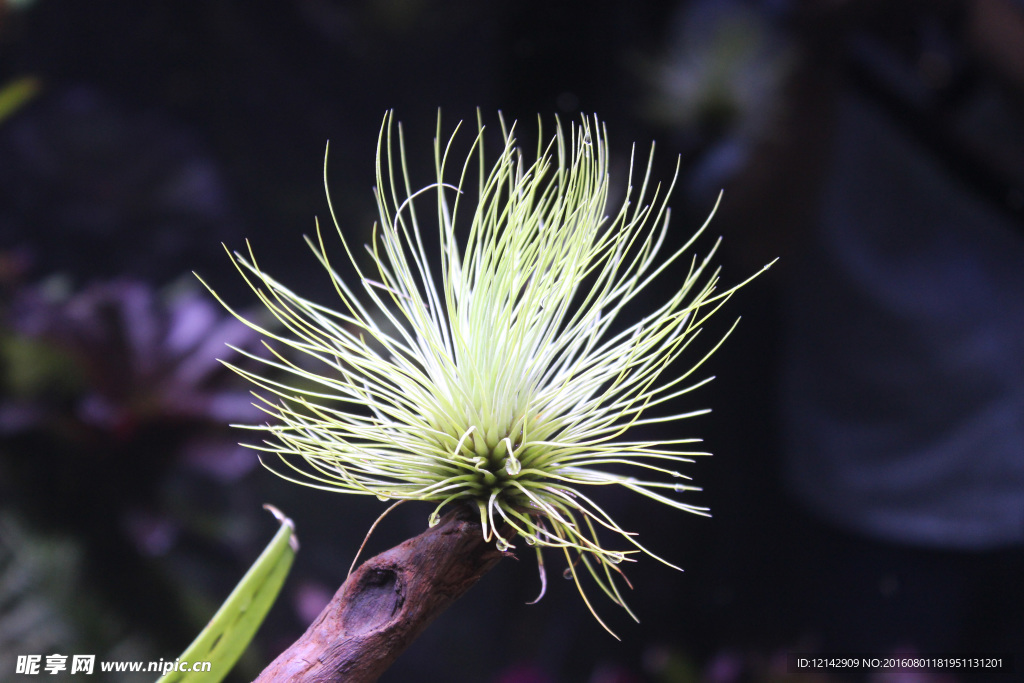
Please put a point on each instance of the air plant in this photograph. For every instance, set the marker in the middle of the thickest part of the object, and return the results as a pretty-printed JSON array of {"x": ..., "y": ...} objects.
[{"x": 496, "y": 376}]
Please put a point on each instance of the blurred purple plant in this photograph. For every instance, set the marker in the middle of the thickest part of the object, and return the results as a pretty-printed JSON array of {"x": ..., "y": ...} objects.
[
  {"x": 114, "y": 417},
  {"x": 142, "y": 356},
  {"x": 114, "y": 388}
]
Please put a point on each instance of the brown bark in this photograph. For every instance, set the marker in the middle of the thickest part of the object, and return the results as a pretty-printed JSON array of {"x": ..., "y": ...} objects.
[{"x": 385, "y": 604}]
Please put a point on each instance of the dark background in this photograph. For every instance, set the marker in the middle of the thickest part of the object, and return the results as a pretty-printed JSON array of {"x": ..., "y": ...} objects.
[{"x": 160, "y": 130}]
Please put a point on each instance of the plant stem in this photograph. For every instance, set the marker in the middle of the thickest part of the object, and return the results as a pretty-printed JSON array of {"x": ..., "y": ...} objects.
[{"x": 386, "y": 603}]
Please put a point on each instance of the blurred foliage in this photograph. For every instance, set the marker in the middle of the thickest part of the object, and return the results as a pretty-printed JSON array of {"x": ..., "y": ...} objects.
[
  {"x": 46, "y": 605},
  {"x": 16, "y": 94},
  {"x": 38, "y": 577},
  {"x": 114, "y": 416}
]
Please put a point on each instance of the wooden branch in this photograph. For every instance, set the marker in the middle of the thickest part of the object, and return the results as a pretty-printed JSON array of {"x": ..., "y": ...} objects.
[{"x": 386, "y": 603}]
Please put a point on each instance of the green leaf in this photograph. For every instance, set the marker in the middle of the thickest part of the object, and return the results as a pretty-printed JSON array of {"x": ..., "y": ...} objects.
[
  {"x": 227, "y": 635},
  {"x": 16, "y": 93}
]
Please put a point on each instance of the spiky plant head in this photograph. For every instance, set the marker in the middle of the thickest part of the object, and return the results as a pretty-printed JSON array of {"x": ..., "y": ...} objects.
[{"x": 499, "y": 381}]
